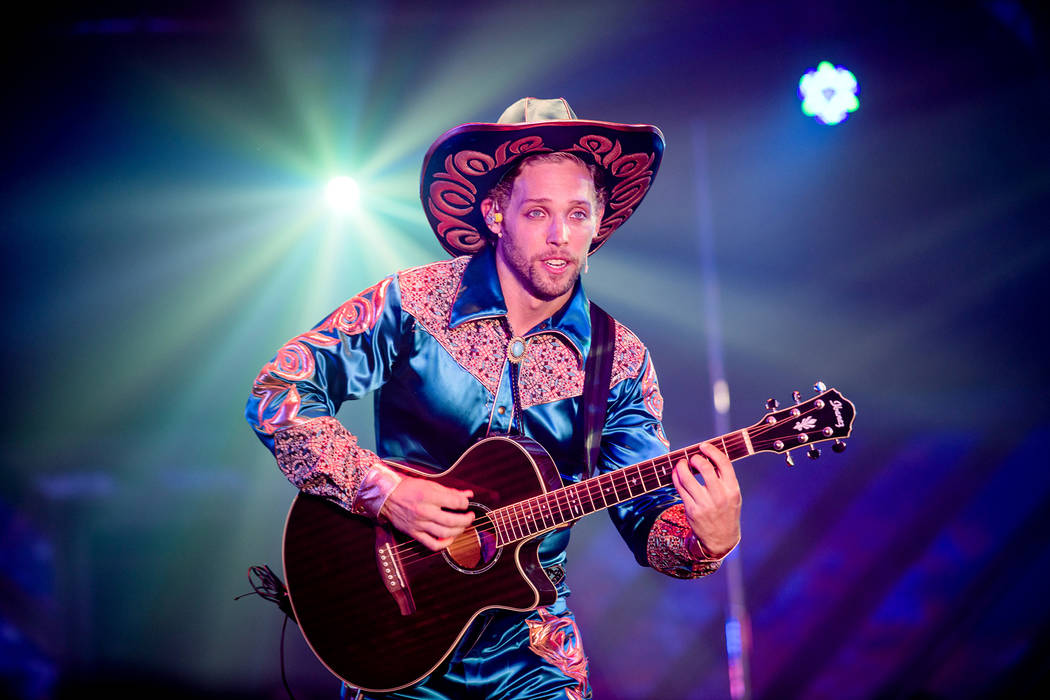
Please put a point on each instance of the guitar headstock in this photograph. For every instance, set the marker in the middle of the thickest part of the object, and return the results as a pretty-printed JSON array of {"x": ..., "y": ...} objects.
[{"x": 827, "y": 416}]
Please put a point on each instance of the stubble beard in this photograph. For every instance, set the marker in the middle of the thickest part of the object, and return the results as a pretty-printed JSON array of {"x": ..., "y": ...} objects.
[{"x": 533, "y": 278}]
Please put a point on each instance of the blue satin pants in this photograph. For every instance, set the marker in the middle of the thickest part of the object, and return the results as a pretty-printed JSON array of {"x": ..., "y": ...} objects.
[{"x": 521, "y": 656}]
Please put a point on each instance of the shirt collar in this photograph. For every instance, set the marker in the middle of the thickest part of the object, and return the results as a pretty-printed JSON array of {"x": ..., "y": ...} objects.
[{"x": 480, "y": 296}]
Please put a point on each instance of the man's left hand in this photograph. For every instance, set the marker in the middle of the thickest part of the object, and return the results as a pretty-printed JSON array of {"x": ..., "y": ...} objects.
[{"x": 712, "y": 506}]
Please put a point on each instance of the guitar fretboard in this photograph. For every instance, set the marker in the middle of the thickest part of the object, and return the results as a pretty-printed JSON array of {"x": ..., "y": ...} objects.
[{"x": 525, "y": 519}]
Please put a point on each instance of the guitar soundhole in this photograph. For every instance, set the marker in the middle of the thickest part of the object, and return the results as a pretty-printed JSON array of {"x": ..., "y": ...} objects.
[{"x": 475, "y": 550}]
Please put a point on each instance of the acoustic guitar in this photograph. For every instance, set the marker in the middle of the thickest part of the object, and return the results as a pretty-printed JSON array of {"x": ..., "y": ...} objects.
[{"x": 381, "y": 611}]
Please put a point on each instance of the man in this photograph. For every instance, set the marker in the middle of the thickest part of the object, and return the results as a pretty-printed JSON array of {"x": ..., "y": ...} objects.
[{"x": 495, "y": 342}]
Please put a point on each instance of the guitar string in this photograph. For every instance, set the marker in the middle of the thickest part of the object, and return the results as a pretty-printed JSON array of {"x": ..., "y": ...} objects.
[
  {"x": 532, "y": 508},
  {"x": 562, "y": 498}
]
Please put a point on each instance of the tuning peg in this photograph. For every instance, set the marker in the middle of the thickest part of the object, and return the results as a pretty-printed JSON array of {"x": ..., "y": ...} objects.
[
  {"x": 838, "y": 447},
  {"x": 789, "y": 459},
  {"x": 772, "y": 404},
  {"x": 797, "y": 396},
  {"x": 820, "y": 387},
  {"x": 813, "y": 453}
]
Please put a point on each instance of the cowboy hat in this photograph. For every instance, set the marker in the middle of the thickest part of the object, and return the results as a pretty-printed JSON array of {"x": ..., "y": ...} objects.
[{"x": 467, "y": 161}]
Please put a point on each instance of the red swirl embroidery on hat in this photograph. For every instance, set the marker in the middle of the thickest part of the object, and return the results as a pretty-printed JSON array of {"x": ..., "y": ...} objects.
[
  {"x": 635, "y": 172},
  {"x": 473, "y": 163},
  {"x": 452, "y": 195},
  {"x": 596, "y": 145},
  {"x": 518, "y": 147},
  {"x": 451, "y": 198},
  {"x": 632, "y": 165}
]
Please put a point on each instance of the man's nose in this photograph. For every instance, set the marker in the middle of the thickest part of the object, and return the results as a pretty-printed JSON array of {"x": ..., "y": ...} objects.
[{"x": 558, "y": 232}]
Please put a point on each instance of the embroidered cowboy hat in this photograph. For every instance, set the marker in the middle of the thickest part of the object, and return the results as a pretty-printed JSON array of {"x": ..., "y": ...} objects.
[{"x": 466, "y": 162}]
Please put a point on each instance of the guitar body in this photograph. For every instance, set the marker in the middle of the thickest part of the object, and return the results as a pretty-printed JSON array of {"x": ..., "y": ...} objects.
[
  {"x": 356, "y": 625},
  {"x": 382, "y": 611}
]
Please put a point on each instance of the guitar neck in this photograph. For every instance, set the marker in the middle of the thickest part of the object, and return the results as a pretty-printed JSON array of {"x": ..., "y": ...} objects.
[{"x": 525, "y": 519}]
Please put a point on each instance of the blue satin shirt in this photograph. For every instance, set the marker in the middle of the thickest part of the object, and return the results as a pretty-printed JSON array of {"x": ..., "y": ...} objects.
[{"x": 432, "y": 344}]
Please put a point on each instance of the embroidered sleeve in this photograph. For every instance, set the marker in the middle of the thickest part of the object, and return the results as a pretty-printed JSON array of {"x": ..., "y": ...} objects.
[
  {"x": 322, "y": 458},
  {"x": 295, "y": 396},
  {"x": 632, "y": 434},
  {"x": 673, "y": 549}
]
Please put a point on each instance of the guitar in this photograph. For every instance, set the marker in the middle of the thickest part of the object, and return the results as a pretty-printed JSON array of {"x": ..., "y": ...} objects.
[{"x": 381, "y": 611}]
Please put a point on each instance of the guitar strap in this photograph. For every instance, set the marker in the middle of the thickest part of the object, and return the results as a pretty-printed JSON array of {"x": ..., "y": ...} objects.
[{"x": 596, "y": 380}]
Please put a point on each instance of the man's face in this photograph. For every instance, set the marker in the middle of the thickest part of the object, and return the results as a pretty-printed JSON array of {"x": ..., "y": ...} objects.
[{"x": 547, "y": 225}]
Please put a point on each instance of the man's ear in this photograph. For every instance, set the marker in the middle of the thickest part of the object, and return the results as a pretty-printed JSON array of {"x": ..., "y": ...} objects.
[{"x": 488, "y": 210}]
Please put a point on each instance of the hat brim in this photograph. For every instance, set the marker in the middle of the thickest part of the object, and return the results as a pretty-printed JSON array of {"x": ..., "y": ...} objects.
[{"x": 466, "y": 162}]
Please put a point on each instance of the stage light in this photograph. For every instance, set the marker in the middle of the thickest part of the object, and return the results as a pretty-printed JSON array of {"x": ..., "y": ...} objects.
[
  {"x": 720, "y": 390},
  {"x": 342, "y": 193},
  {"x": 828, "y": 93}
]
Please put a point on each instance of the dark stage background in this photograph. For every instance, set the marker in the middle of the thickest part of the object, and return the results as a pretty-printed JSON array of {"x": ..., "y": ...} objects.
[{"x": 164, "y": 233}]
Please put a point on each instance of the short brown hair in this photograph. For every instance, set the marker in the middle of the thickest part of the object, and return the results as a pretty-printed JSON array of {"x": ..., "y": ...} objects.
[{"x": 500, "y": 194}]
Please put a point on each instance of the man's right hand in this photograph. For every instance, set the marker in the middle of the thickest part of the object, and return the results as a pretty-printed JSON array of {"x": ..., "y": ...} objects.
[{"x": 424, "y": 510}]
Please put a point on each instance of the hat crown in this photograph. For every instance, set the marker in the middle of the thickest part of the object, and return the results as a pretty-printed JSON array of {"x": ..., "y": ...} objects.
[{"x": 529, "y": 110}]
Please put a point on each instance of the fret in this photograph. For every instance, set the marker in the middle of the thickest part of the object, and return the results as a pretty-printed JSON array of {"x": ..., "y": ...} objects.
[
  {"x": 534, "y": 526},
  {"x": 586, "y": 487},
  {"x": 494, "y": 519},
  {"x": 594, "y": 488},
  {"x": 537, "y": 516},
  {"x": 503, "y": 526},
  {"x": 634, "y": 478},
  {"x": 608, "y": 488},
  {"x": 526, "y": 509},
  {"x": 620, "y": 490},
  {"x": 553, "y": 518},
  {"x": 524, "y": 521},
  {"x": 555, "y": 499},
  {"x": 663, "y": 468},
  {"x": 554, "y": 507},
  {"x": 540, "y": 502},
  {"x": 515, "y": 520},
  {"x": 579, "y": 489},
  {"x": 574, "y": 500},
  {"x": 601, "y": 491},
  {"x": 570, "y": 513},
  {"x": 650, "y": 477}
]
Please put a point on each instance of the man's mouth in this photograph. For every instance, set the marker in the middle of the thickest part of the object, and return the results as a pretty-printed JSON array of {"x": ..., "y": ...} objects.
[{"x": 556, "y": 264}]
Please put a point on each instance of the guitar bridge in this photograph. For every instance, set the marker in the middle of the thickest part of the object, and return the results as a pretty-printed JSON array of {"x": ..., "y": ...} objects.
[{"x": 391, "y": 572}]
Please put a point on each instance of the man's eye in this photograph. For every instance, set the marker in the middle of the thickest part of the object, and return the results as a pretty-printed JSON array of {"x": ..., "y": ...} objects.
[
  {"x": 534, "y": 213},
  {"x": 579, "y": 215}
]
